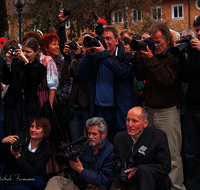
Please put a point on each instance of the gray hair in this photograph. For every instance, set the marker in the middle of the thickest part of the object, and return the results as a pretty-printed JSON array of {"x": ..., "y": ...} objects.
[
  {"x": 188, "y": 31},
  {"x": 144, "y": 114},
  {"x": 178, "y": 36},
  {"x": 97, "y": 121}
]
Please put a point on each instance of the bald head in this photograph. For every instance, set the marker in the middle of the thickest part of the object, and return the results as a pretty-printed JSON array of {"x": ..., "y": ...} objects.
[{"x": 140, "y": 111}]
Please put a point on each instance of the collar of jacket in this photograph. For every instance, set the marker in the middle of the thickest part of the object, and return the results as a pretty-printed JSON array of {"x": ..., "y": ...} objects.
[{"x": 166, "y": 54}]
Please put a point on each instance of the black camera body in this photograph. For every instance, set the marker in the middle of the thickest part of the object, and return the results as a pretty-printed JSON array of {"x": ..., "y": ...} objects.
[
  {"x": 72, "y": 45},
  {"x": 72, "y": 150},
  {"x": 184, "y": 46},
  {"x": 89, "y": 41},
  {"x": 121, "y": 167},
  {"x": 14, "y": 49},
  {"x": 137, "y": 45},
  {"x": 66, "y": 12},
  {"x": 16, "y": 146}
]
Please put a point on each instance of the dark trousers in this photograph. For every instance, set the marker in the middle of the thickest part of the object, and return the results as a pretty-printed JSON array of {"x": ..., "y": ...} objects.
[
  {"x": 110, "y": 117},
  {"x": 192, "y": 136},
  {"x": 36, "y": 183}
]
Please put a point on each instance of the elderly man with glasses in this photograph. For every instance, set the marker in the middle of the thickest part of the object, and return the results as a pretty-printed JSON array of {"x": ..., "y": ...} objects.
[{"x": 162, "y": 93}]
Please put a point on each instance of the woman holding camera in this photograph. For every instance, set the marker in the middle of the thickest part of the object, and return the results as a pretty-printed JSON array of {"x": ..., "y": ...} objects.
[
  {"x": 23, "y": 73},
  {"x": 26, "y": 157}
]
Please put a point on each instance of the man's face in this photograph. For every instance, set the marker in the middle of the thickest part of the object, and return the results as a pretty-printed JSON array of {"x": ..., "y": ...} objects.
[
  {"x": 197, "y": 32},
  {"x": 135, "y": 124},
  {"x": 145, "y": 36},
  {"x": 160, "y": 43},
  {"x": 127, "y": 35},
  {"x": 110, "y": 40},
  {"x": 94, "y": 136}
]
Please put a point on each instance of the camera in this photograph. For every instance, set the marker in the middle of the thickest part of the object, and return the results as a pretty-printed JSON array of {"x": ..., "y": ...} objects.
[
  {"x": 121, "y": 167},
  {"x": 16, "y": 146},
  {"x": 72, "y": 150},
  {"x": 183, "y": 46},
  {"x": 137, "y": 45},
  {"x": 72, "y": 45},
  {"x": 14, "y": 49},
  {"x": 66, "y": 12},
  {"x": 89, "y": 41}
]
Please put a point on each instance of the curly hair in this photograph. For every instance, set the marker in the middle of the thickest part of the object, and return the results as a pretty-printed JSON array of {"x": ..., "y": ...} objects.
[{"x": 47, "y": 39}]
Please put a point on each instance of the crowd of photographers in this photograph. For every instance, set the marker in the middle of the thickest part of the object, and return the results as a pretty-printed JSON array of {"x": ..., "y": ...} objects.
[{"x": 142, "y": 96}]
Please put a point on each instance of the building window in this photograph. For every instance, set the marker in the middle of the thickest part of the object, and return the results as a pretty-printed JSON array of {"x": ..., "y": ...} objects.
[
  {"x": 177, "y": 11},
  {"x": 156, "y": 13},
  {"x": 198, "y": 4},
  {"x": 136, "y": 15},
  {"x": 117, "y": 17}
]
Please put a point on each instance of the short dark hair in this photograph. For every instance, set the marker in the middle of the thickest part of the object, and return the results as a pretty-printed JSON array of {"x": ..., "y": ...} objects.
[
  {"x": 112, "y": 29},
  {"x": 92, "y": 34},
  {"x": 196, "y": 22},
  {"x": 45, "y": 124},
  {"x": 126, "y": 40},
  {"x": 164, "y": 30}
]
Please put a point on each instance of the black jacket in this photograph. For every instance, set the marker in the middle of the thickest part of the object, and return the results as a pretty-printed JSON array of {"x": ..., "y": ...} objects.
[
  {"x": 29, "y": 81},
  {"x": 24, "y": 166},
  {"x": 189, "y": 71},
  {"x": 157, "y": 154},
  {"x": 2, "y": 64}
]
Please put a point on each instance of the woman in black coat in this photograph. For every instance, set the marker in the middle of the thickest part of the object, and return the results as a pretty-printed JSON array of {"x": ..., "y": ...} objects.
[
  {"x": 23, "y": 73},
  {"x": 25, "y": 165}
]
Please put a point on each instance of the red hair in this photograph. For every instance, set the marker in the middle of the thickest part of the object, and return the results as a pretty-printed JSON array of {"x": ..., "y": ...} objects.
[{"x": 47, "y": 39}]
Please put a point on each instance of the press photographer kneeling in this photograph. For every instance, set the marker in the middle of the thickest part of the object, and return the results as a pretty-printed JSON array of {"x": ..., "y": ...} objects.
[
  {"x": 95, "y": 171},
  {"x": 141, "y": 157},
  {"x": 25, "y": 157}
]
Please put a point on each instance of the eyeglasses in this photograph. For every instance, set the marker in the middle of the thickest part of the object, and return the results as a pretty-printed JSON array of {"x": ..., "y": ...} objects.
[
  {"x": 108, "y": 38},
  {"x": 156, "y": 44}
]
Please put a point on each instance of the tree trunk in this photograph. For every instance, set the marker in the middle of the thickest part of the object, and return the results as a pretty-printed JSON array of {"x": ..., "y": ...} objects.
[{"x": 3, "y": 20}]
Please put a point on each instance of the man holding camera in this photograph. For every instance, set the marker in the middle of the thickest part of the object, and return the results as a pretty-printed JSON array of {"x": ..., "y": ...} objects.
[
  {"x": 145, "y": 151},
  {"x": 94, "y": 171},
  {"x": 162, "y": 93},
  {"x": 189, "y": 70},
  {"x": 110, "y": 71}
]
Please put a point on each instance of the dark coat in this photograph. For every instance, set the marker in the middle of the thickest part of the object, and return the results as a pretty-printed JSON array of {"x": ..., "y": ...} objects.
[
  {"x": 162, "y": 82},
  {"x": 100, "y": 172},
  {"x": 2, "y": 64},
  {"x": 33, "y": 75},
  {"x": 121, "y": 66},
  {"x": 157, "y": 154},
  {"x": 25, "y": 167}
]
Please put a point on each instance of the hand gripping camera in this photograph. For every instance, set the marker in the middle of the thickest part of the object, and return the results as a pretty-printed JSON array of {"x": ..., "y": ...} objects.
[
  {"x": 72, "y": 150},
  {"x": 121, "y": 167}
]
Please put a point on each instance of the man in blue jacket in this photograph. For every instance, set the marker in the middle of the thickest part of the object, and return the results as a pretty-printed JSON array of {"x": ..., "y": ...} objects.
[
  {"x": 95, "y": 169},
  {"x": 111, "y": 73}
]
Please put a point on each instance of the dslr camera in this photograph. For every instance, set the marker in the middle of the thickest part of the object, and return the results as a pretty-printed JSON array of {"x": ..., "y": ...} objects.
[
  {"x": 72, "y": 46},
  {"x": 137, "y": 45},
  {"x": 14, "y": 49},
  {"x": 66, "y": 12},
  {"x": 89, "y": 41},
  {"x": 16, "y": 146},
  {"x": 121, "y": 167},
  {"x": 183, "y": 46},
  {"x": 72, "y": 150}
]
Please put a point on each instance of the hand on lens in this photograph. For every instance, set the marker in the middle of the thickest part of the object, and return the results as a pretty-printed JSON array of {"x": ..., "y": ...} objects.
[
  {"x": 66, "y": 50},
  {"x": 146, "y": 54},
  {"x": 10, "y": 139},
  {"x": 195, "y": 43},
  {"x": 62, "y": 17},
  {"x": 15, "y": 154},
  {"x": 98, "y": 49},
  {"x": 131, "y": 172},
  {"x": 76, "y": 165}
]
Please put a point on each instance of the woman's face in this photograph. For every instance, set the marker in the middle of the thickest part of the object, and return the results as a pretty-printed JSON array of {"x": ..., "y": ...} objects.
[
  {"x": 29, "y": 53},
  {"x": 53, "y": 48},
  {"x": 127, "y": 47},
  {"x": 36, "y": 132}
]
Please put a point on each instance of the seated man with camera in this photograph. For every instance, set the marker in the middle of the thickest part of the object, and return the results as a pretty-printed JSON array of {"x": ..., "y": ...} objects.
[
  {"x": 94, "y": 169},
  {"x": 111, "y": 73},
  {"x": 141, "y": 157}
]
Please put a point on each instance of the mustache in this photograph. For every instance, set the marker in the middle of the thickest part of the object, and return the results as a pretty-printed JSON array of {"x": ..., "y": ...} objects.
[{"x": 91, "y": 140}]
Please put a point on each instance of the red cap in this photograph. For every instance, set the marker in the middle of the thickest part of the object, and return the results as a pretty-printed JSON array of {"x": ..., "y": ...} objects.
[
  {"x": 102, "y": 20},
  {"x": 2, "y": 40}
]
